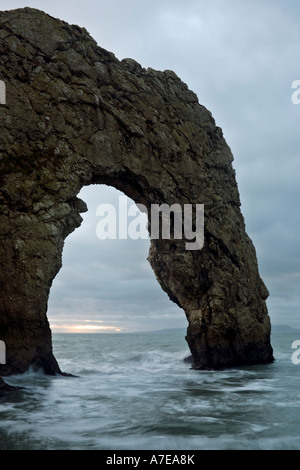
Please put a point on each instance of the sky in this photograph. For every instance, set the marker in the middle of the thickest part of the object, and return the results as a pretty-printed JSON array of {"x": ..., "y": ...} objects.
[{"x": 240, "y": 58}]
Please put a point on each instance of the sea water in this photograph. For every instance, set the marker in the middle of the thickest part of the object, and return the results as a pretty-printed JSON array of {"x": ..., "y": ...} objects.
[{"x": 135, "y": 391}]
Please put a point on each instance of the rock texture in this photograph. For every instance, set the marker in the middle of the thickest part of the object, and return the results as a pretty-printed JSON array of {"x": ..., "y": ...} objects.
[{"x": 75, "y": 116}]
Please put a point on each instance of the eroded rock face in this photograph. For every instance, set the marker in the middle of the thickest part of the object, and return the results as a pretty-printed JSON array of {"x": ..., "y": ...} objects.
[{"x": 76, "y": 116}]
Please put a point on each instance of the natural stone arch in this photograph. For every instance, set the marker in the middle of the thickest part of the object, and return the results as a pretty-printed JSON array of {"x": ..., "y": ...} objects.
[{"x": 76, "y": 116}]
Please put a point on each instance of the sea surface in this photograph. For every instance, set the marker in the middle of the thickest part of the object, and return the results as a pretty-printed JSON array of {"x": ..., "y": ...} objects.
[{"x": 134, "y": 391}]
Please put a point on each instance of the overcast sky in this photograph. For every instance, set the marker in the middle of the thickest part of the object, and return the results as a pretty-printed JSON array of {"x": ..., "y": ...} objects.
[{"x": 240, "y": 58}]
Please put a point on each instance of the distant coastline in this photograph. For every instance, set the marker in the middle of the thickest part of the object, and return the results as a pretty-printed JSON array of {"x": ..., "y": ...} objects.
[
  {"x": 276, "y": 329},
  {"x": 282, "y": 329}
]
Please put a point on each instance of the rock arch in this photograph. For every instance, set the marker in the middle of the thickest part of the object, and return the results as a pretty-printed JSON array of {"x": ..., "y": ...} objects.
[{"x": 75, "y": 116}]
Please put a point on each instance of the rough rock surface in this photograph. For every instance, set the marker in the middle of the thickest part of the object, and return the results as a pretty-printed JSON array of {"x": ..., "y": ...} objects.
[{"x": 75, "y": 116}]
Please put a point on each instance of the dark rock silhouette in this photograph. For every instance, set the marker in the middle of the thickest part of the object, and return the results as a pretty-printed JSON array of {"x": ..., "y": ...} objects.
[
  {"x": 5, "y": 389},
  {"x": 75, "y": 116}
]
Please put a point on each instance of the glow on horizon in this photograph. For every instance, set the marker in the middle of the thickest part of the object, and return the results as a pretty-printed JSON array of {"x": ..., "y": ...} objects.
[{"x": 87, "y": 328}]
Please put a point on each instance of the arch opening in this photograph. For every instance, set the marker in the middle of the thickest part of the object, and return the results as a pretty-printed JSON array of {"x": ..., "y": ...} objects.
[{"x": 106, "y": 284}]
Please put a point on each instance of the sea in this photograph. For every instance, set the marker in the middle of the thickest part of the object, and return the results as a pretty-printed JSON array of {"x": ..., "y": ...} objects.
[{"x": 136, "y": 391}]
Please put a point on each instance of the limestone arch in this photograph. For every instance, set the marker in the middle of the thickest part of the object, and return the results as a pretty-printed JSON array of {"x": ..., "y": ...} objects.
[{"x": 75, "y": 115}]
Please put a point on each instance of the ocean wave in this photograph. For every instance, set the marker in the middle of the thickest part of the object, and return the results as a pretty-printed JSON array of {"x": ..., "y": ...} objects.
[{"x": 136, "y": 392}]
